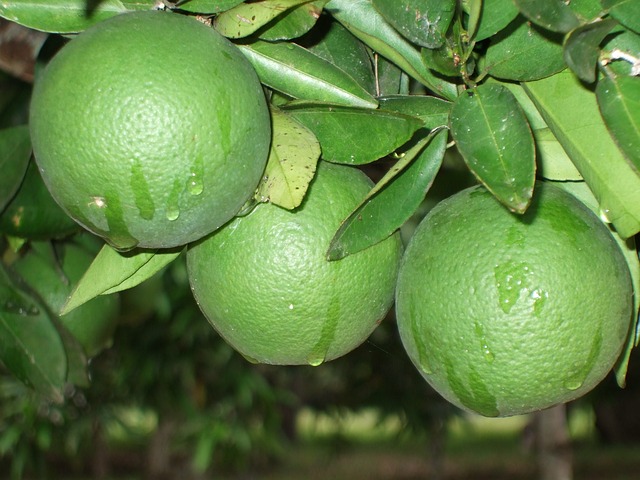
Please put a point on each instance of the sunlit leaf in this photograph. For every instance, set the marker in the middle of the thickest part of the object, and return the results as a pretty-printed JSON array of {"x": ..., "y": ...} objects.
[
  {"x": 112, "y": 271},
  {"x": 619, "y": 101},
  {"x": 339, "y": 47},
  {"x": 423, "y": 22},
  {"x": 433, "y": 111},
  {"x": 15, "y": 150},
  {"x": 495, "y": 15},
  {"x": 207, "y": 6},
  {"x": 67, "y": 16},
  {"x": 393, "y": 200},
  {"x": 30, "y": 345},
  {"x": 247, "y": 18},
  {"x": 571, "y": 112},
  {"x": 582, "y": 48},
  {"x": 355, "y": 135},
  {"x": 292, "y": 162},
  {"x": 363, "y": 20},
  {"x": 297, "y": 72},
  {"x": 294, "y": 23},
  {"x": 553, "y": 15},
  {"x": 523, "y": 52},
  {"x": 627, "y": 12},
  {"x": 494, "y": 138}
]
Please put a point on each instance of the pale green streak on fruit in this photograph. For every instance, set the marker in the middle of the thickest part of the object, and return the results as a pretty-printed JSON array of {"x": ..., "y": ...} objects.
[{"x": 140, "y": 188}]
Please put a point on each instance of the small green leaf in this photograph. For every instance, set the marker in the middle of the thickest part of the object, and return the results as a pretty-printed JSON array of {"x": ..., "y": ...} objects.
[
  {"x": 112, "y": 271},
  {"x": 394, "y": 198},
  {"x": 339, "y": 47},
  {"x": 473, "y": 9},
  {"x": 355, "y": 135},
  {"x": 363, "y": 20},
  {"x": 582, "y": 48},
  {"x": 247, "y": 18},
  {"x": 423, "y": 22},
  {"x": 571, "y": 112},
  {"x": 15, "y": 151},
  {"x": 292, "y": 162},
  {"x": 627, "y": 12},
  {"x": 619, "y": 101},
  {"x": 294, "y": 23},
  {"x": 295, "y": 71},
  {"x": 522, "y": 52},
  {"x": 554, "y": 15},
  {"x": 207, "y": 6},
  {"x": 30, "y": 345},
  {"x": 494, "y": 138},
  {"x": 433, "y": 111},
  {"x": 495, "y": 15},
  {"x": 66, "y": 16}
]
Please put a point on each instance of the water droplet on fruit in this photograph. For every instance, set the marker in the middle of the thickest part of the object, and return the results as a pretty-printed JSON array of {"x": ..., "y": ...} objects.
[
  {"x": 572, "y": 383},
  {"x": 424, "y": 365},
  {"x": 484, "y": 346},
  {"x": 195, "y": 185},
  {"x": 250, "y": 359},
  {"x": 604, "y": 215},
  {"x": 173, "y": 208},
  {"x": 172, "y": 213},
  {"x": 315, "y": 359}
]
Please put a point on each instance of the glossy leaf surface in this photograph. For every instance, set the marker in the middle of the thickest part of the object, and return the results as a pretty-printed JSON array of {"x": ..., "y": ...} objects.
[
  {"x": 493, "y": 136},
  {"x": 355, "y": 135}
]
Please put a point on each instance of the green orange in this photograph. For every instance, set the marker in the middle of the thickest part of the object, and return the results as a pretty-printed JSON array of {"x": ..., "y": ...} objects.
[
  {"x": 506, "y": 314},
  {"x": 150, "y": 129},
  {"x": 266, "y": 286}
]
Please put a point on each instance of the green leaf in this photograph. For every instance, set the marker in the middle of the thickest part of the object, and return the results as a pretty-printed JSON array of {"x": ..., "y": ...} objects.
[
  {"x": 619, "y": 101},
  {"x": 292, "y": 162},
  {"x": 423, "y": 22},
  {"x": 433, "y": 111},
  {"x": 112, "y": 271},
  {"x": 495, "y": 15},
  {"x": 582, "y": 48},
  {"x": 363, "y": 20},
  {"x": 355, "y": 136},
  {"x": 473, "y": 9},
  {"x": 522, "y": 52},
  {"x": 66, "y": 16},
  {"x": 294, "y": 23},
  {"x": 393, "y": 200},
  {"x": 553, "y": 161},
  {"x": 30, "y": 345},
  {"x": 339, "y": 47},
  {"x": 207, "y": 6},
  {"x": 571, "y": 112},
  {"x": 620, "y": 52},
  {"x": 295, "y": 71},
  {"x": 15, "y": 151},
  {"x": 627, "y": 12},
  {"x": 554, "y": 15},
  {"x": 247, "y": 18},
  {"x": 494, "y": 138}
]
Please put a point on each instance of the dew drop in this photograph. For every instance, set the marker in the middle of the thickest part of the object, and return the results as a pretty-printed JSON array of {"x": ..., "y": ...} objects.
[
  {"x": 572, "y": 383},
  {"x": 315, "y": 359},
  {"x": 194, "y": 185},
  {"x": 172, "y": 213},
  {"x": 250, "y": 359},
  {"x": 424, "y": 365}
]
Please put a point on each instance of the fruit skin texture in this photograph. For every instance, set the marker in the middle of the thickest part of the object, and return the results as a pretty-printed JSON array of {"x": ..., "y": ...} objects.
[
  {"x": 505, "y": 314},
  {"x": 150, "y": 129},
  {"x": 265, "y": 285}
]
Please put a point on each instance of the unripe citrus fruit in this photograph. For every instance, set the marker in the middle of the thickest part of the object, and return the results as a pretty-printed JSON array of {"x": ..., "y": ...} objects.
[
  {"x": 54, "y": 277},
  {"x": 506, "y": 314},
  {"x": 264, "y": 282},
  {"x": 150, "y": 129}
]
